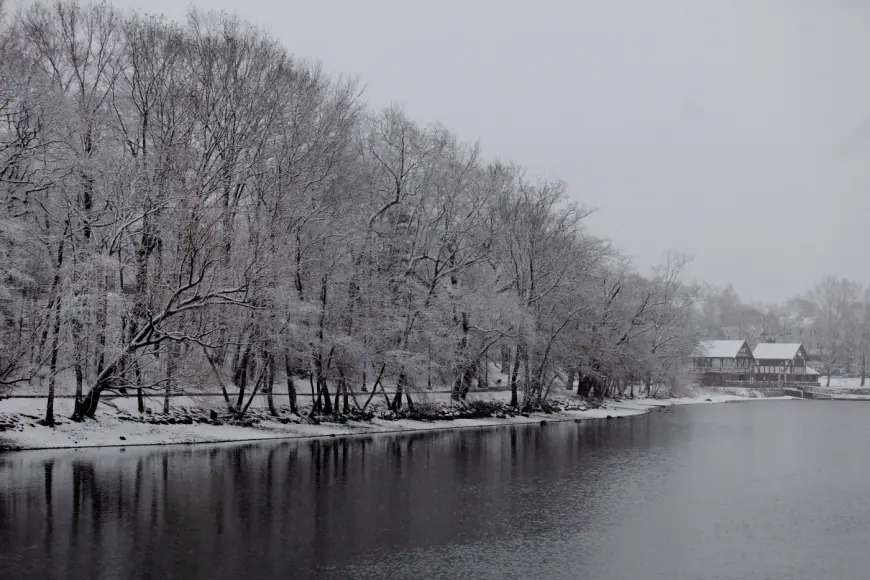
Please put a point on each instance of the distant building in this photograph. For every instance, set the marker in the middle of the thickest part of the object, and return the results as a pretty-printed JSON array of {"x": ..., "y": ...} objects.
[
  {"x": 783, "y": 362},
  {"x": 793, "y": 329},
  {"x": 718, "y": 362}
]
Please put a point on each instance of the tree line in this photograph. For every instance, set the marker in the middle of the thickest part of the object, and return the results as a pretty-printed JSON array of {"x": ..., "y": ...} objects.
[{"x": 184, "y": 204}]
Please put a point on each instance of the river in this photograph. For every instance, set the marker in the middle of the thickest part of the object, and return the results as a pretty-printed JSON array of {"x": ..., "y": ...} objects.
[{"x": 767, "y": 489}]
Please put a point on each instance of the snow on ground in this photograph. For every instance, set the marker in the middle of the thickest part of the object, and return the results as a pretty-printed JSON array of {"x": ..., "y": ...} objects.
[
  {"x": 845, "y": 383},
  {"x": 110, "y": 430}
]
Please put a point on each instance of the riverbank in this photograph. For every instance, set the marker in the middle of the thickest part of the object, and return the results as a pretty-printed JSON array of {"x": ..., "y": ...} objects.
[{"x": 113, "y": 427}]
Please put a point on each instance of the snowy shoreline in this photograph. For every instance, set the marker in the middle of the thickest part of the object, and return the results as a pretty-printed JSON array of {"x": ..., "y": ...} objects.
[{"x": 110, "y": 431}]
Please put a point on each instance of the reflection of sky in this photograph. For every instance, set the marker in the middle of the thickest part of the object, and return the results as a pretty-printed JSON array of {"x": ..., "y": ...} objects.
[
  {"x": 769, "y": 489},
  {"x": 232, "y": 510}
]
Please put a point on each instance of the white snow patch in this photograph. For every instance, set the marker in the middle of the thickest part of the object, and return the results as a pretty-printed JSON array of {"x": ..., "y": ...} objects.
[
  {"x": 108, "y": 429},
  {"x": 846, "y": 383}
]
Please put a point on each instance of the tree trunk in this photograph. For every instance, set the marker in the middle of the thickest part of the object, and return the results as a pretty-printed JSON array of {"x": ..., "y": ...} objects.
[
  {"x": 462, "y": 384},
  {"x": 270, "y": 380},
  {"x": 599, "y": 389},
  {"x": 480, "y": 374},
  {"x": 78, "y": 368},
  {"x": 323, "y": 402},
  {"x": 429, "y": 365},
  {"x": 291, "y": 387},
  {"x": 375, "y": 389},
  {"x": 863, "y": 368},
  {"x": 49, "y": 405},
  {"x": 505, "y": 359},
  {"x": 260, "y": 378},
  {"x": 514, "y": 372},
  {"x": 55, "y": 284},
  {"x": 323, "y": 389},
  {"x": 527, "y": 371},
  {"x": 36, "y": 352},
  {"x": 241, "y": 375},
  {"x": 345, "y": 388},
  {"x": 79, "y": 382},
  {"x": 234, "y": 365},
  {"x": 397, "y": 396},
  {"x": 171, "y": 363},
  {"x": 400, "y": 390},
  {"x": 327, "y": 401},
  {"x": 584, "y": 386},
  {"x": 102, "y": 321},
  {"x": 316, "y": 401},
  {"x": 297, "y": 272},
  {"x": 315, "y": 405},
  {"x": 463, "y": 377},
  {"x": 87, "y": 408}
]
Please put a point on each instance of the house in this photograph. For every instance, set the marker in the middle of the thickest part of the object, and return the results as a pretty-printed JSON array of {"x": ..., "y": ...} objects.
[
  {"x": 720, "y": 361},
  {"x": 783, "y": 362}
]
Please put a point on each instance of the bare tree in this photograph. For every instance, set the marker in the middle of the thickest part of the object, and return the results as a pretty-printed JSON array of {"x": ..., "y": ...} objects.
[{"x": 835, "y": 299}]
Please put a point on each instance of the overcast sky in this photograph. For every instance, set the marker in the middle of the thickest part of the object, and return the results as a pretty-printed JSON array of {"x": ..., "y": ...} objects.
[{"x": 737, "y": 131}]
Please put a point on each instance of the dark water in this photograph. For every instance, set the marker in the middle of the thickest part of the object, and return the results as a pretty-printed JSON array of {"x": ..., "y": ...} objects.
[{"x": 771, "y": 489}]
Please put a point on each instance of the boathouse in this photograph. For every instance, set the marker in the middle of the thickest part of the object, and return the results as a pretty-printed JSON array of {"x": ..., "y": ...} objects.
[
  {"x": 783, "y": 362},
  {"x": 717, "y": 362}
]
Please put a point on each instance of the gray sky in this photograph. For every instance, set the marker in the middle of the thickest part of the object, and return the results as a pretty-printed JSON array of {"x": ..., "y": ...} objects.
[{"x": 737, "y": 131}]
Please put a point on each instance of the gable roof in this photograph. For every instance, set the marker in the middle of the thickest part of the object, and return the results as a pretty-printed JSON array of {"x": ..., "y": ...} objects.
[
  {"x": 776, "y": 350},
  {"x": 718, "y": 348}
]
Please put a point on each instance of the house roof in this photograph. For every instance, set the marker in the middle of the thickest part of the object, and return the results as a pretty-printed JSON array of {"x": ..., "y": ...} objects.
[
  {"x": 718, "y": 348},
  {"x": 812, "y": 371},
  {"x": 776, "y": 350}
]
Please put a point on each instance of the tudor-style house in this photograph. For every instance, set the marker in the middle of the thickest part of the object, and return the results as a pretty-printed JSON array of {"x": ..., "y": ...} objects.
[
  {"x": 718, "y": 362},
  {"x": 783, "y": 362}
]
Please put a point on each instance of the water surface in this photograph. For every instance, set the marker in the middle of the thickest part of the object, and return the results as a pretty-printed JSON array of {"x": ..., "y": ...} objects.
[{"x": 769, "y": 489}]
